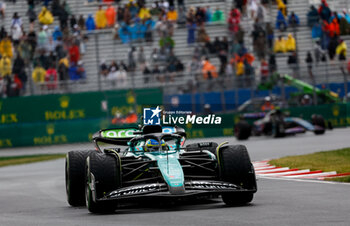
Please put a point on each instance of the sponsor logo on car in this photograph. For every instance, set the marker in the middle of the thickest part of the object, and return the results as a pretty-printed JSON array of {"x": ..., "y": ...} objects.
[
  {"x": 139, "y": 189},
  {"x": 118, "y": 133}
]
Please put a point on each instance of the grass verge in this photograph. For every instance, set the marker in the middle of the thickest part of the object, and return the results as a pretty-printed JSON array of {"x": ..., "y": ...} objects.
[
  {"x": 337, "y": 160},
  {"x": 24, "y": 159}
]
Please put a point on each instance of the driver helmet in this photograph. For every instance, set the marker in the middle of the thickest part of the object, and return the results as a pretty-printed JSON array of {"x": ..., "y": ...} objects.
[
  {"x": 306, "y": 99},
  {"x": 306, "y": 96},
  {"x": 267, "y": 99},
  {"x": 152, "y": 145}
]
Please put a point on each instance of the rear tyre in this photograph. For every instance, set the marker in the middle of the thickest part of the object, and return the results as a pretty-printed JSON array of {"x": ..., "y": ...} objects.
[
  {"x": 242, "y": 130},
  {"x": 236, "y": 168},
  {"x": 329, "y": 125},
  {"x": 102, "y": 176},
  {"x": 318, "y": 120},
  {"x": 75, "y": 177},
  {"x": 319, "y": 132}
]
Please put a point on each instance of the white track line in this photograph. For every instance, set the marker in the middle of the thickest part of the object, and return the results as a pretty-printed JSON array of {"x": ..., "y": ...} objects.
[
  {"x": 272, "y": 170},
  {"x": 303, "y": 175},
  {"x": 286, "y": 173},
  {"x": 317, "y": 175},
  {"x": 263, "y": 161},
  {"x": 260, "y": 164},
  {"x": 265, "y": 167}
]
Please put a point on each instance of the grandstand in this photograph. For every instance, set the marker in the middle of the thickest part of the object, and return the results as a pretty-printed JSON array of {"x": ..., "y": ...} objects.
[
  {"x": 305, "y": 43},
  {"x": 102, "y": 46}
]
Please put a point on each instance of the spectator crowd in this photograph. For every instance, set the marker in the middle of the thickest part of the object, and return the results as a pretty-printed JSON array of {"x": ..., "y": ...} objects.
[
  {"x": 135, "y": 24},
  {"x": 52, "y": 55}
]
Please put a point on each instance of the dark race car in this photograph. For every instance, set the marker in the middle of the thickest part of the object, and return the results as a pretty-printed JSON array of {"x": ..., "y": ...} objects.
[
  {"x": 276, "y": 124},
  {"x": 153, "y": 162}
]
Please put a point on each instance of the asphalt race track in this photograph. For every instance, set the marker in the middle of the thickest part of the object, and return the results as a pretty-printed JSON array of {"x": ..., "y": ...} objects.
[{"x": 34, "y": 194}]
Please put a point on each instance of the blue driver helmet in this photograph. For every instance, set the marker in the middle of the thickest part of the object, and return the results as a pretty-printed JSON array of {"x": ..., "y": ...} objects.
[{"x": 152, "y": 145}]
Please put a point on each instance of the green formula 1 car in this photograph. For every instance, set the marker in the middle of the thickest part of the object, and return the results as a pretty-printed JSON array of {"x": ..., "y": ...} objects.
[{"x": 155, "y": 163}]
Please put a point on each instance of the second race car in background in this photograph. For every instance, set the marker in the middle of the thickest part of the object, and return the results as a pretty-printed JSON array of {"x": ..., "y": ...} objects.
[{"x": 275, "y": 123}]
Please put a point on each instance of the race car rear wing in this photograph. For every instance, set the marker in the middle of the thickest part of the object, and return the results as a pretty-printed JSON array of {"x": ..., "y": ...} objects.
[
  {"x": 254, "y": 115},
  {"x": 121, "y": 136}
]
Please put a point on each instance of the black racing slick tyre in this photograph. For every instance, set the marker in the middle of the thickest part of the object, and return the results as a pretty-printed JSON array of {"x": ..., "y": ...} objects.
[
  {"x": 329, "y": 125},
  {"x": 236, "y": 168},
  {"x": 103, "y": 175},
  {"x": 75, "y": 176},
  {"x": 318, "y": 120},
  {"x": 242, "y": 130}
]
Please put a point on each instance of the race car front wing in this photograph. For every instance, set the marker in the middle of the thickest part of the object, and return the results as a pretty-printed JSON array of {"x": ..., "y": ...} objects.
[{"x": 192, "y": 188}]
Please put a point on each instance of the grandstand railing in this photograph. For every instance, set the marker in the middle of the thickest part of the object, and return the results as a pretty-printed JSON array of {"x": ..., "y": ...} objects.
[{"x": 185, "y": 82}]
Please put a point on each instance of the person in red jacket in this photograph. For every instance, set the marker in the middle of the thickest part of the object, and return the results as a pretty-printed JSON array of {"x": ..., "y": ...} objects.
[
  {"x": 51, "y": 78},
  {"x": 16, "y": 86},
  {"x": 325, "y": 27},
  {"x": 334, "y": 28},
  {"x": 110, "y": 15},
  {"x": 264, "y": 70},
  {"x": 234, "y": 21},
  {"x": 18, "y": 82},
  {"x": 74, "y": 53}
]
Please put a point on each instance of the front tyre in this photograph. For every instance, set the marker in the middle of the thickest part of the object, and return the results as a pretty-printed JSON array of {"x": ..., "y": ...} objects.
[
  {"x": 75, "y": 176},
  {"x": 236, "y": 168},
  {"x": 102, "y": 176},
  {"x": 237, "y": 199},
  {"x": 319, "y": 123}
]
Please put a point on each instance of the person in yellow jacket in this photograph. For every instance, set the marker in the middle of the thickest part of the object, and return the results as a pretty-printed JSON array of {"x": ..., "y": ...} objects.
[
  {"x": 281, "y": 6},
  {"x": 239, "y": 68},
  {"x": 5, "y": 67},
  {"x": 144, "y": 13},
  {"x": 6, "y": 47},
  {"x": 290, "y": 43},
  {"x": 280, "y": 45},
  {"x": 172, "y": 15},
  {"x": 65, "y": 61},
  {"x": 38, "y": 74},
  {"x": 131, "y": 4},
  {"x": 341, "y": 50},
  {"x": 45, "y": 16},
  {"x": 100, "y": 18}
]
